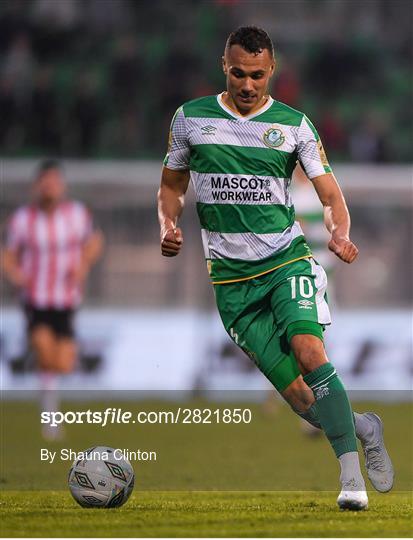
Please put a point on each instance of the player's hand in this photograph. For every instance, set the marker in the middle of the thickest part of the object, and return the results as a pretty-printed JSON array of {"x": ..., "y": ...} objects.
[
  {"x": 344, "y": 248},
  {"x": 171, "y": 242},
  {"x": 19, "y": 279},
  {"x": 77, "y": 275}
]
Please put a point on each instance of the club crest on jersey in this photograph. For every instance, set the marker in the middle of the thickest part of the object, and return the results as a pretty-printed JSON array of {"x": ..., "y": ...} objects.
[{"x": 273, "y": 137}]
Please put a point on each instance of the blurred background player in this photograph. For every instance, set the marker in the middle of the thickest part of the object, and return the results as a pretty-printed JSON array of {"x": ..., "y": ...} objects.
[{"x": 51, "y": 246}]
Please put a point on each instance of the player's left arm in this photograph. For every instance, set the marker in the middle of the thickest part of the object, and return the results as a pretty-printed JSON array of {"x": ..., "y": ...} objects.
[
  {"x": 336, "y": 217},
  {"x": 314, "y": 161},
  {"x": 92, "y": 249}
]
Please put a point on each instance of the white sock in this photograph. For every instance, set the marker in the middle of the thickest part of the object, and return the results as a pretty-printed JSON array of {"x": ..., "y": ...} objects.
[
  {"x": 364, "y": 427},
  {"x": 49, "y": 397},
  {"x": 350, "y": 471}
]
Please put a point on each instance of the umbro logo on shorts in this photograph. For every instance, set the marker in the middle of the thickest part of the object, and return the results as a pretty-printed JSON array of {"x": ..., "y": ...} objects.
[{"x": 305, "y": 304}]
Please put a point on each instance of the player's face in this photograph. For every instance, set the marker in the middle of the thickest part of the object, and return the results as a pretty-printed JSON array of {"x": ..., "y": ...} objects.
[
  {"x": 49, "y": 188},
  {"x": 248, "y": 75}
]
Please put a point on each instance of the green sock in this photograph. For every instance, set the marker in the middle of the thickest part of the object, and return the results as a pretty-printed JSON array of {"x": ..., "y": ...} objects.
[
  {"x": 333, "y": 408},
  {"x": 311, "y": 416},
  {"x": 363, "y": 429}
]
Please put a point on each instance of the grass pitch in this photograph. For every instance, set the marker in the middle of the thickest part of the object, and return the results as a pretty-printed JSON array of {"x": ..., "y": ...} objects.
[
  {"x": 203, "y": 514},
  {"x": 264, "y": 479}
]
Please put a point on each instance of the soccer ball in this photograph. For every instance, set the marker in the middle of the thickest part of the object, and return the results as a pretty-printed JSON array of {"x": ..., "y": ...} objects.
[{"x": 102, "y": 477}]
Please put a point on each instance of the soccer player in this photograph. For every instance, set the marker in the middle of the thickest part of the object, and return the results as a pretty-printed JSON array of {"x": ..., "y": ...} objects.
[
  {"x": 51, "y": 246},
  {"x": 240, "y": 148}
]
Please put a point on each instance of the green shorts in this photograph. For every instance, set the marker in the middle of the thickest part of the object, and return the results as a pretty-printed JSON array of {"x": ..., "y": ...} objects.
[{"x": 257, "y": 313}]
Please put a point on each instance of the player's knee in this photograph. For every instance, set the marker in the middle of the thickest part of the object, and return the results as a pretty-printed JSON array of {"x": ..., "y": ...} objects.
[
  {"x": 44, "y": 364},
  {"x": 308, "y": 351},
  {"x": 298, "y": 395},
  {"x": 66, "y": 357},
  {"x": 43, "y": 344},
  {"x": 65, "y": 368},
  {"x": 65, "y": 365}
]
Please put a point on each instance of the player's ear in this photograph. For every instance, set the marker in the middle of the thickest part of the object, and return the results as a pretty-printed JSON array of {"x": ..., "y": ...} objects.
[
  {"x": 224, "y": 66},
  {"x": 272, "y": 68}
]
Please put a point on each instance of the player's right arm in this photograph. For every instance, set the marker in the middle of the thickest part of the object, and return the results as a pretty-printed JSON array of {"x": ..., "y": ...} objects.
[
  {"x": 11, "y": 268},
  {"x": 171, "y": 196},
  {"x": 10, "y": 257},
  {"x": 174, "y": 183}
]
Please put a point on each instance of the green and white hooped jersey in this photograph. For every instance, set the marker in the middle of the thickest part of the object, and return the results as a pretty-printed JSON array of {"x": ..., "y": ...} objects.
[{"x": 241, "y": 169}]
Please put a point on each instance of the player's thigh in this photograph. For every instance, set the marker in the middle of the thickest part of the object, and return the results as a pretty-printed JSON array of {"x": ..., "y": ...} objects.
[
  {"x": 66, "y": 351},
  {"x": 52, "y": 337},
  {"x": 38, "y": 323},
  {"x": 42, "y": 337},
  {"x": 251, "y": 325},
  {"x": 43, "y": 343},
  {"x": 301, "y": 296}
]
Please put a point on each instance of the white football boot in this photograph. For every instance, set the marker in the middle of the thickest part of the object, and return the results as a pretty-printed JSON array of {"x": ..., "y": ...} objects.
[
  {"x": 378, "y": 463},
  {"x": 353, "y": 496}
]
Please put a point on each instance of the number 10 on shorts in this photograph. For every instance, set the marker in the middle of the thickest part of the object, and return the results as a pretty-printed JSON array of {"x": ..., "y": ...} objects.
[{"x": 305, "y": 287}]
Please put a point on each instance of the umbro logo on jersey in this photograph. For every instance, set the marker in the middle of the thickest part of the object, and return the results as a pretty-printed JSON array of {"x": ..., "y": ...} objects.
[{"x": 208, "y": 130}]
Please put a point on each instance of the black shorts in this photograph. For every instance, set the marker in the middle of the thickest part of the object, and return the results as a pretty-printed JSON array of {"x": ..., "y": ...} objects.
[{"x": 58, "y": 320}]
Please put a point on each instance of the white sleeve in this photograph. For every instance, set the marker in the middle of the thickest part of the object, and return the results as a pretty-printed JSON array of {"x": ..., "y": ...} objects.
[
  {"x": 16, "y": 228},
  {"x": 88, "y": 226},
  {"x": 178, "y": 153},
  {"x": 310, "y": 150},
  {"x": 81, "y": 220}
]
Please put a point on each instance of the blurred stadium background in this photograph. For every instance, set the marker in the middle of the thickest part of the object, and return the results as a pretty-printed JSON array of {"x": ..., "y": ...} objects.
[{"x": 96, "y": 82}]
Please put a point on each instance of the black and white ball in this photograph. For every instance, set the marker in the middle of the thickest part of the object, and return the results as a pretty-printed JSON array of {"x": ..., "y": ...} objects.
[{"x": 104, "y": 478}]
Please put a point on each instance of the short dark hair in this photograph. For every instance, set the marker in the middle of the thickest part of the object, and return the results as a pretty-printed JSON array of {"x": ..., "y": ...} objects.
[
  {"x": 47, "y": 165},
  {"x": 252, "y": 39}
]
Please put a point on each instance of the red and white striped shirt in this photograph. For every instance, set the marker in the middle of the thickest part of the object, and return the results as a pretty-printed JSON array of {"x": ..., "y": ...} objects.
[{"x": 49, "y": 248}]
